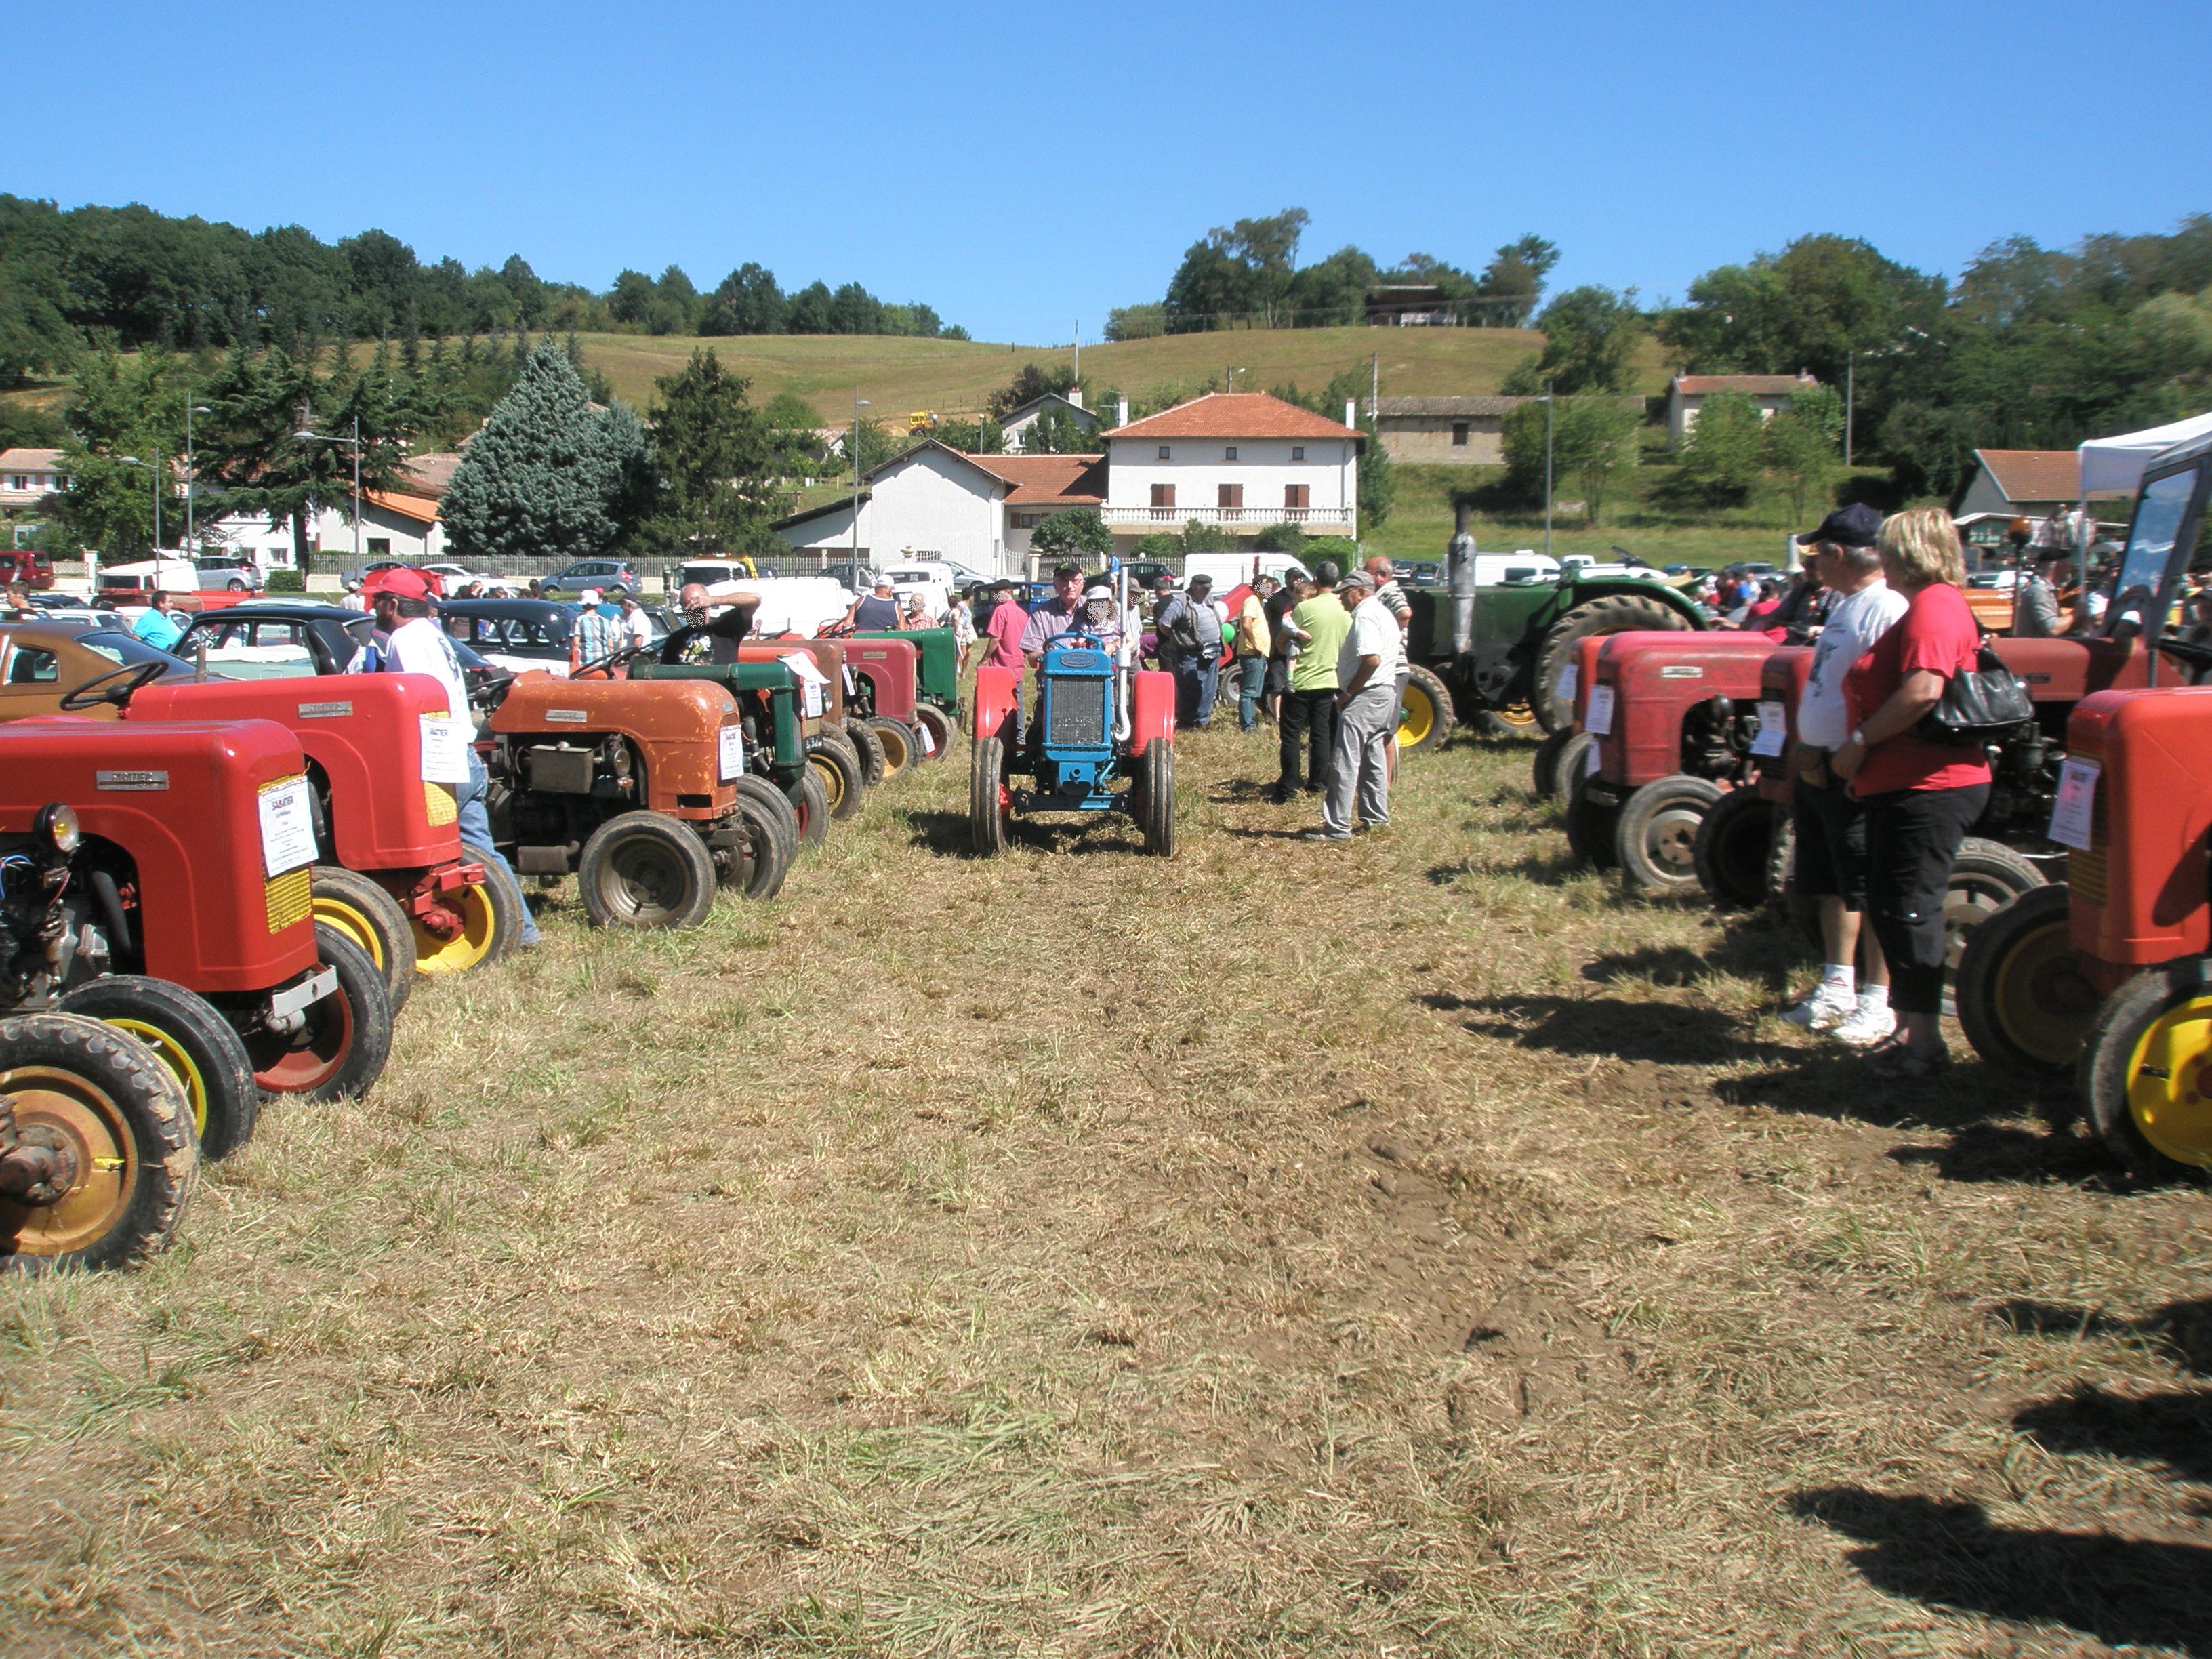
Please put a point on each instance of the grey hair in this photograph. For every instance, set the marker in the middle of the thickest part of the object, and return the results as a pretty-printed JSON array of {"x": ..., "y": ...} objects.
[{"x": 1858, "y": 559}]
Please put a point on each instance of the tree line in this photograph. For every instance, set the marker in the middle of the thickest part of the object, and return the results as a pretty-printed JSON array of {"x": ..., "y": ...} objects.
[{"x": 70, "y": 280}]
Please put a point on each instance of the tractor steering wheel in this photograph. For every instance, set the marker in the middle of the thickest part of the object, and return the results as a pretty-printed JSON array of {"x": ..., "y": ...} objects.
[
  {"x": 117, "y": 685},
  {"x": 604, "y": 668},
  {"x": 489, "y": 688},
  {"x": 2191, "y": 654}
]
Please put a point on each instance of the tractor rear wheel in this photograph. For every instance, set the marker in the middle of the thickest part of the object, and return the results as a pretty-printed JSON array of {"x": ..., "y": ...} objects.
[
  {"x": 1781, "y": 874},
  {"x": 810, "y": 802},
  {"x": 1157, "y": 809},
  {"x": 189, "y": 1036},
  {"x": 1425, "y": 713},
  {"x": 840, "y": 772},
  {"x": 875, "y": 766},
  {"x": 349, "y": 902},
  {"x": 1657, "y": 830},
  {"x": 491, "y": 912},
  {"x": 1590, "y": 825},
  {"x": 902, "y": 749},
  {"x": 1617, "y": 613},
  {"x": 772, "y": 825},
  {"x": 343, "y": 1040},
  {"x": 1730, "y": 849},
  {"x": 990, "y": 809},
  {"x": 936, "y": 729},
  {"x": 2146, "y": 1072},
  {"x": 641, "y": 870},
  {"x": 2021, "y": 996},
  {"x": 79, "y": 1086},
  {"x": 1544, "y": 771},
  {"x": 1985, "y": 877},
  {"x": 1507, "y": 719}
]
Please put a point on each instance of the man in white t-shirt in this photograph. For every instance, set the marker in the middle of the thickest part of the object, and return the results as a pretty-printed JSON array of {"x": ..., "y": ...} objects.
[
  {"x": 1830, "y": 824},
  {"x": 1366, "y": 713}
]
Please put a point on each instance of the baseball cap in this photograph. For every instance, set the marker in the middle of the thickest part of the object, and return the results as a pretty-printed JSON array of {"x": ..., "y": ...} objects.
[
  {"x": 1098, "y": 590},
  {"x": 1855, "y": 525},
  {"x": 403, "y": 582},
  {"x": 589, "y": 595},
  {"x": 1069, "y": 569}
]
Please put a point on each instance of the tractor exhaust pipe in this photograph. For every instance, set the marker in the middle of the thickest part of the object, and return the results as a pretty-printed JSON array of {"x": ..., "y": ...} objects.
[{"x": 1125, "y": 654}]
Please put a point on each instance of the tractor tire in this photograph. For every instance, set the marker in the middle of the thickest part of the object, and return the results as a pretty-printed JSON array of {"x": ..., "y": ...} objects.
[
  {"x": 641, "y": 870},
  {"x": 772, "y": 823},
  {"x": 875, "y": 765},
  {"x": 492, "y": 914},
  {"x": 935, "y": 728},
  {"x": 1617, "y": 613},
  {"x": 1657, "y": 830},
  {"x": 371, "y": 918},
  {"x": 839, "y": 769},
  {"x": 811, "y": 803},
  {"x": 1158, "y": 807},
  {"x": 1425, "y": 715},
  {"x": 1544, "y": 769},
  {"x": 1730, "y": 851},
  {"x": 341, "y": 1046},
  {"x": 1780, "y": 877},
  {"x": 989, "y": 814},
  {"x": 1985, "y": 877},
  {"x": 79, "y": 1084},
  {"x": 1577, "y": 757},
  {"x": 1508, "y": 719},
  {"x": 2142, "y": 1076},
  {"x": 190, "y": 1037},
  {"x": 1590, "y": 826},
  {"x": 2022, "y": 1000},
  {"x": 902, "y": 749}
]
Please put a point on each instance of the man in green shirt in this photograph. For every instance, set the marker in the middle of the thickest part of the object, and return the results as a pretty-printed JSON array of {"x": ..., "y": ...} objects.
[{"x": 1317, "y": 626}]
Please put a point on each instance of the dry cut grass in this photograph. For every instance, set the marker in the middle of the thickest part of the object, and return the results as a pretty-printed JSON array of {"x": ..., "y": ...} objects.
[{"x": 1408, "y": 1247}]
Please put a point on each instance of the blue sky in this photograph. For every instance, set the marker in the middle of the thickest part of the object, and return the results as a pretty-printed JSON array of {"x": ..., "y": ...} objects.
[{"x": 1022, "y": 167}]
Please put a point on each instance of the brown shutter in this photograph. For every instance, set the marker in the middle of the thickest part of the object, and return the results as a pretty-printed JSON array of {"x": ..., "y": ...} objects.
[
  {"x": 1162, "y": 494},
  {"x": 1232, "y": 496},
  {"x": 1294, "y": 496}
]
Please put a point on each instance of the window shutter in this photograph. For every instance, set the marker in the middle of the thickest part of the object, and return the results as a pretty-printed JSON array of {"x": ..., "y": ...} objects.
[
  {"x": 1294, "y": 497},
  {"x": 1162, "y": 494},
  {"x": 1231, "y": 494}
]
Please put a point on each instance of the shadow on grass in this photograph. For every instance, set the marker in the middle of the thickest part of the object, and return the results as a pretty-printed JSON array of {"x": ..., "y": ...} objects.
[
  {"x": 2181, "y": 1331},
  {"x": 945, "y": 833},
  {"x": 1743, "y": 948},
  {"x": 2171, "y": 1432},
  {"x": 2006, "y": 1152},
  {"x": 1665, "y": 1033},
  {"x": 2120, "y": 1591}
]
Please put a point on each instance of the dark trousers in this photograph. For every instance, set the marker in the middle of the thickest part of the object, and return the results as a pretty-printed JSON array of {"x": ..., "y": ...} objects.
[
  {"x": 1913, "y": 836},
  {"x": 1308, "y": 716}
]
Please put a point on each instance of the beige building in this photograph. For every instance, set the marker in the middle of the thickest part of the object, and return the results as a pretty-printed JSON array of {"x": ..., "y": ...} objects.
[
  {"x": 1769, "y": 394},
  {"x": 1443, "y": 431},
  {"x": 27, "y": 476}
]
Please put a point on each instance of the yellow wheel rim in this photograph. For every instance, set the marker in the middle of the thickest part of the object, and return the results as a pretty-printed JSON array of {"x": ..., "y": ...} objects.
[
  {"x": 2043, "y": 1005},
  {"x": 2170, "y": 1082},
  {"x": 1519, "y": 715},
  {"x": 465, "y": 948},
  {"x": 172, "y": 1055},
  {"x": 833, "y": 781},
  {"x": 98, "y": 1129},
  {"x": 1417, "y": 717},
  {"x": 354, "y": 923}
]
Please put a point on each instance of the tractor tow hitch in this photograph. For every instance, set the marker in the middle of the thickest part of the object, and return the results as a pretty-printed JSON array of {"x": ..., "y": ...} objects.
[{"x": 36, "y": 1168}]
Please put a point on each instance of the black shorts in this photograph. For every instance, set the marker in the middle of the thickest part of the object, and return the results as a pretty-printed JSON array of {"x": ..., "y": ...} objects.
[{"x": 1832, "y": 842}]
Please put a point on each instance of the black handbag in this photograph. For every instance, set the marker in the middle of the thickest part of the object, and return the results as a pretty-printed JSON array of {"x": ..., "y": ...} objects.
[{"x": 1983, "y": 704}]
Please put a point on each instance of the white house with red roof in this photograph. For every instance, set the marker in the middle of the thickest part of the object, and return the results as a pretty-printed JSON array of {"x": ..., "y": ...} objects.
[
  {"x": 936, "y": 502},
  {"x": 1237, "y": 461},
  {"x": 1769, "y": 395},
  {"x": 27, "y": 476}
]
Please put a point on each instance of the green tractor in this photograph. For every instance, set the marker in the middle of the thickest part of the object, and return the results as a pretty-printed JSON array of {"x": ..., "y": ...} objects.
[{"x": 1497, "y": 656}]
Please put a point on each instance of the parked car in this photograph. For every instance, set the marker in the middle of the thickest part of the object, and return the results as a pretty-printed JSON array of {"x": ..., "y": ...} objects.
[
  {"x": 608, "y": 575},
  {"x": 169, "y": 574},
  {"x": 40, "y": 662},
  {"x": 229, "y": 572},
  {"x": 708, "y": 572},
  {"x": 25, "y": 567},
  {"x": 513, "y": 633},
  {"x": 277, "y": 639},
  {"x": 855, "y": 578}
]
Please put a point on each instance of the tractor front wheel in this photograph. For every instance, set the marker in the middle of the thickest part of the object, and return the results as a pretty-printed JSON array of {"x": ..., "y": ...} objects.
[
  {"x": 772, "y": 825},
  {"x": 810, "y": 802},
  {"x": 1657, "y": 830},
  {"x": 1425, "y": 713},
  {"x": 990, "y": 807},
  {"x": 902, "y": 749},
  {"x": 371, "y": 918},
  {"x": 201, "y": 1049},
  {"x": 875, "y": 765},
  {"x": 2146, "y": 1072},
  {"x": 936, "y": 730},
  {"x": 342, "y": 1040},
  {"x": 119, "y": 1124},
  {"x": 2022, "y": 998},
  {"x": 1508, "y": 719},
  {"x": 1730, "y": 848},
  {"x": 640, "y": 869},
  {"x": 1544, "y": 769},
  {"x": 491, "y": 912},
  {"x": 1985, "y": 877},
  {"x": 839, "y": 769},
  {"x": 1159, "y": 806},
  {"x": 1590, "y": 825}
]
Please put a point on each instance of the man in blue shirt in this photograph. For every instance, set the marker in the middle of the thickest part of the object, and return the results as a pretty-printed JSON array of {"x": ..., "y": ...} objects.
[{"x": 160, "y": 627}]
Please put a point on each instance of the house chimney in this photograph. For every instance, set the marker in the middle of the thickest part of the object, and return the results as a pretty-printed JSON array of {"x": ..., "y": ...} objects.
[
  {"x": 1350, "y": 412},
  {"x": 1121, "y": 412},
  {"x": 1075, "y": 396}
]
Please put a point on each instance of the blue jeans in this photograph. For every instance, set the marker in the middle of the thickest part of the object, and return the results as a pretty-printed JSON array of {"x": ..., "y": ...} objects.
[
  {"x": 1209, "y": 684},
  {"x": 1251, "y": 678},
  {"x": 476, "y": 834}
]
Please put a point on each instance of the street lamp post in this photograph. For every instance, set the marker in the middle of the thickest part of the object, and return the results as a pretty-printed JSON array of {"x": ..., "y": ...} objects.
[
  {"x": 858, "y": 404},
  {"x": 1547, "y": 469},
  {"x": 307, "y": 436}
]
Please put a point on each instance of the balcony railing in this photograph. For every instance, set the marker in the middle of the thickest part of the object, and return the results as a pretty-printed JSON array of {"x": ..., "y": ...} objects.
[{"x": 1225, "y": 518}]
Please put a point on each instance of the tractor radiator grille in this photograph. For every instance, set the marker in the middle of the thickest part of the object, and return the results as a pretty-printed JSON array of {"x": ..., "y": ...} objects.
[
  {"x": 1078, "y": 715},
  {"x": 2085, "y": 876},
  {"x": 438, "y": 804},
  {"x": 290, "y": 898}
]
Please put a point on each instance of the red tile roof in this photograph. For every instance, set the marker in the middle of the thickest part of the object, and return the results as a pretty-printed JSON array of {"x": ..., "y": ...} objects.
[
  {"x": 1757, "y": 386},
  {"x": 2034, "y": 474},
  {"x": 1235, "y": 414},
  {"x": 420, "y": 509},
  {"x": 431, "y": 474},
  {"x": 1038, "y": 479},
  {"x": 30, "y": 460}
]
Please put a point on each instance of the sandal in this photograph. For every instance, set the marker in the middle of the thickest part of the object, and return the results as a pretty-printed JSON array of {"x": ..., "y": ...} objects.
[{"x": 1898, "y": 1062}]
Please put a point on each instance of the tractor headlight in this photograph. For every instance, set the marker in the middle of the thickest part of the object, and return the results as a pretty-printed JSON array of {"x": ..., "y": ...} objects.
[{"x": 56, "y": 826}]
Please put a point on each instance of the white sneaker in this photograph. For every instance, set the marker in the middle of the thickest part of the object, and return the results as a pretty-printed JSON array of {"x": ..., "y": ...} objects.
[
  {"x": 1823, "y": 1007},
  {"x": 1869, "y": 1024}
]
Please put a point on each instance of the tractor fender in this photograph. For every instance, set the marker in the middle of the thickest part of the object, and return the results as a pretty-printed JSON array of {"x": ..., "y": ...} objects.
[
  {"x": 1152, "y": 709},
  {"x": 996, "y": 689}
]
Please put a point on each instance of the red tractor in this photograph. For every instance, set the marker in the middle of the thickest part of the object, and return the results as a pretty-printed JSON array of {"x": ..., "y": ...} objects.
[
  {"x": 885, "y": 697},
  {"x": 1565, "y": 754},
  {"x": 159, "y": 878}
]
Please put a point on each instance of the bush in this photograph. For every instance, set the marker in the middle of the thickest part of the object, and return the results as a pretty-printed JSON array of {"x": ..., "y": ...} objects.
[
  {"x": 286, "y": 581},
  {"x": 1280, "y": 539}
]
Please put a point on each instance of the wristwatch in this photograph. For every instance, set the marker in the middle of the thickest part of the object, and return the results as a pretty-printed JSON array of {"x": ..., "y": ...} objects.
[{"x": 1858, "y": 737}]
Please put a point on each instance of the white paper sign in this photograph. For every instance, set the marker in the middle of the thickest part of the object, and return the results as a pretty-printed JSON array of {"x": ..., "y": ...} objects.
[
  {"x": 811, "y": 679},
  {"x": 928, "y": 743},
  {"x": 445, "y": 749},
  {"x": 287, "y": 826},
  {"x": 1598, "y": 716},
  {"x": 2074, "y": 810},
  {"x": 1569, "y": 676},
  {"x": 1773, "y": 729},
  {"x": 1591, "y": 758},
  {"x": 732, "y": 752}
]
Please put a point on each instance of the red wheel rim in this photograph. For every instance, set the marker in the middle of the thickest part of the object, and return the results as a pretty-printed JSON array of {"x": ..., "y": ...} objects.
[{"x": 312, "y": 1059}]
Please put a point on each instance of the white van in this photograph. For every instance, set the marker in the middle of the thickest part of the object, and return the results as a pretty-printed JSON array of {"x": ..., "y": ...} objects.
[{"x": 1233, "y": 569}]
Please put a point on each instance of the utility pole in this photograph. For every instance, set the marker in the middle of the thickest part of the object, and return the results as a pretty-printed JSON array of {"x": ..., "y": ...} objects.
[
  {"x": 858, "y": 404},
  {"x": 1374, "y": 382},
  {"x": 1078, "y": 370},
  {"x": 1547, "y": 469},
  {"x": 191, "y": 471},
  {"x": 1850, "y": 399}
]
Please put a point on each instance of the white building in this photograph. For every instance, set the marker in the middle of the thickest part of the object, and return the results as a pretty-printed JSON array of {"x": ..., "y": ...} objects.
[
  {"x": 1237, "y": 461},
  {"x": 392, "y": 526},
  {"x": 935, "y": 502},
  {"x": 1017, "y": 425},
  {"x": 1769, "y": 394},
  {"x": 28, "y": 475}
]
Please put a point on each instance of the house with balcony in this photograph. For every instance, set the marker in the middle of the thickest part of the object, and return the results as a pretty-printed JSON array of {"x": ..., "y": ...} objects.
[
  {"x": 1236, "y": 461},
  {"x": 937, "y": 502},
  {"x": 27, "y": 476}
]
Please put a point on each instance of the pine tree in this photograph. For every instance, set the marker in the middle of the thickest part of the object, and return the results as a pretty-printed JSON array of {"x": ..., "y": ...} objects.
[{"x": 713, "y": 454}]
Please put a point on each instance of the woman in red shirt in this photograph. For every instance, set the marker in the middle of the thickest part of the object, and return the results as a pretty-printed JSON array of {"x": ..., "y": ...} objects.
[{"x": 1921, "y": 798}]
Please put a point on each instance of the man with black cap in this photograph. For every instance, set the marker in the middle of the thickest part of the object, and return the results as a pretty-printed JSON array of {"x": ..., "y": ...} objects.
[{"x": 1830, "y": 824}]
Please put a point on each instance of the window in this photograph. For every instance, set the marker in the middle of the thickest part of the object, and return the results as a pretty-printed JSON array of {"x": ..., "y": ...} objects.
[
  {"x": 378, "y": 545},
  {"x": 1230, "y": 453},
  {"x": 31, "y": 666},
  {"x": 1163, "y": 452},
  {"x": 1459, "y": 435},
  {"x": 1163, "y": 495},
  {"x": 1295, "y": 497},
  {"x": 1028, "y": 521},
  {"x": 1298, "y": 452},
  {"x": 1232, "y": 496}
]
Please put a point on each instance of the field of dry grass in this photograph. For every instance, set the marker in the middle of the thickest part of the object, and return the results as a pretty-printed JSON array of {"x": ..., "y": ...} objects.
[{"x": 1412, "y": 1248}]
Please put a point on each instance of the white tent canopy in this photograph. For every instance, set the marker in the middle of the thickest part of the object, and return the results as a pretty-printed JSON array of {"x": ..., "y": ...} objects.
[{"x": 2118, "y": 463}]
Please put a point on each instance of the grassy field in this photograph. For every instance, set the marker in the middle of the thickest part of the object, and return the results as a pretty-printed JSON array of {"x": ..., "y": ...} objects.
[{"x": 1415, "y": 1247}]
